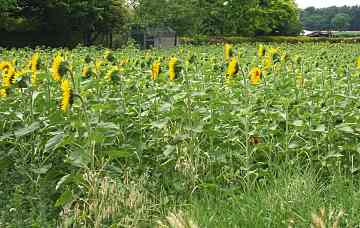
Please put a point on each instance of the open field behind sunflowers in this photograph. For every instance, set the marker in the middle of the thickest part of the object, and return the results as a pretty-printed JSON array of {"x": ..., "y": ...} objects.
[{"x": 237, "y": 136}]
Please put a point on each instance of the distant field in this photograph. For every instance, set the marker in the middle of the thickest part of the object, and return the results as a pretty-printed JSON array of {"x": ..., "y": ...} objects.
[
  {"x": 195, "y": 136},
  {"x": 348, "y": 34},
  {"x": 204, "y": 40}
]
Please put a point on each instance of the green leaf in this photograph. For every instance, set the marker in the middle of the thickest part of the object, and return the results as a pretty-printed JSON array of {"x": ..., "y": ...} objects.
[
  {"x": 298, "y": 123},
  {"x": 166, "y": 107},
  {"x": 5, "y": 163},
  {"x": 27, "y": 130},
  {"x": 160, "y": 123},
  {"x": 114, "y": 154},
  {"x": 320, "y": 128},
  {"x": 42, "y": 170},
  {"x": 334, "y": 156},
  {"x": 62, "y": 181},
  {"x": 79, "y": 159},
  {"x": 345, "y": 128},
  {"x": 108, "y": 125},
  {"x": 293, "y": 146},
  {"x": 54, "y": 142},
  {"x": 34, "y": 96},
  {"x": 65, "y": 198},
  {"x": 169, "y": 149}
]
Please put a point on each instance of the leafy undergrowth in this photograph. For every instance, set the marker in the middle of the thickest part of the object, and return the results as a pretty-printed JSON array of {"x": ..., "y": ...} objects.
[
  {"x": 290, "y": 199},
  {"x": 94, "y": 138}
]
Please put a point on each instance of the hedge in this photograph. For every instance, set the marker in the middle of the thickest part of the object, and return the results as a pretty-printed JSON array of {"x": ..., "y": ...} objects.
[{"x": 202, "y": 40}]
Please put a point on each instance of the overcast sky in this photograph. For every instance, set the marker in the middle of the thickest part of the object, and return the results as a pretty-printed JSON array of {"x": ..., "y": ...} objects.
[{"x": 326, "y": 3}]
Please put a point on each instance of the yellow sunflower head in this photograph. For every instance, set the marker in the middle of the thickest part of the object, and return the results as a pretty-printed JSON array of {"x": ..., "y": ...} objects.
[
  {"x": 59, "y": 68},
  {"x": 34, "y": 67},
  {"x": 261, "y": 51},
  {"x": 358, "y": 62},
  {"x": 7, "y": 68},
  {"x": 255, "y": 76},
  {"x": 233, "y": 68},
  {"x": 228, "y": 52},
  {"x": 3, "y": 93},
  {"x": 155, "y": 70},
  {"x": 172, "y": 68},
  {"x": 114, "y": 74},
  {"x": 124, "y": 62},
  {"x": 87, "y": 72},
  {"x": 67, "y": 95},
  {"x": 35, "y": 63},
  {"x": 109, "y": 56},
  {"x": 8, "y": 73},
  {"x": 268, "y": 62},
  {"x": 98, "y": 65}
]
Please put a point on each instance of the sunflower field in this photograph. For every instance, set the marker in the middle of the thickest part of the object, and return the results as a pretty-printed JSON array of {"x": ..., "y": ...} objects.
[{"x": 91, "y": 137}]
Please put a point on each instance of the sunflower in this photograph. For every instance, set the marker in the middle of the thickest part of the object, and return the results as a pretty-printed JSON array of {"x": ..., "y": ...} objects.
[
  {"x": 114, "y": 74},
  {"x": 109, "y": 56},
  {"x": 59, "y": 68},
  {"x": 67, "y": 95},
  {"x": 18, "y": 76},
  {"x": 228, "y": 52},
  {"x": 172, "y": 68},
  {"x": 124, "y": 62},
  {"x": 233, "y": 68},
  {"x": 7, "y": 68},
  {"x": 87, "y": 72},
  {"x": 8, "y": 74},
  {"x": 261, "y": 51},
  {"x": 255, "y": 76},
  {"x": 268, "y": 62},
  {"x": 300, "y": 80},
  {"x": 358, "y": 62},
  {"x": 98, "y": 65},
  {"x": 3, "y": 93},
  {"x": 155, "y": 70},
  {"x": 34, "y": 67}
]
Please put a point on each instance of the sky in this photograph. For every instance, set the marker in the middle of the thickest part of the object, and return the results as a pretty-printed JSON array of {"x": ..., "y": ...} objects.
[{"x": 325, "y": 3}]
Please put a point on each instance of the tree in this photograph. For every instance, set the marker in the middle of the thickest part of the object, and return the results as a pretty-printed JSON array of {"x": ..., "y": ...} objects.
[
  {"x": 341, "y": 21},
  {"x": 331, "y": 18},
  {"x": 278, "y": 17},
  {"x": 219, "y": 17},
  {"x": 65, "y": 18}
]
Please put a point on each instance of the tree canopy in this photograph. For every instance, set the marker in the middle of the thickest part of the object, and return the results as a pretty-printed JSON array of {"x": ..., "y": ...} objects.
[
  {"x": 69, "y": 19},
  {"x": 339, "y": 18},
  {"x": 214, "y": 17},
  {"x": 86, "y": 20}
]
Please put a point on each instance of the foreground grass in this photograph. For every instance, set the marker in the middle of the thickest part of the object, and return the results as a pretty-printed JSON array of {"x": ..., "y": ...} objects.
[
  {"x": 291, "y": 197},
  {"x": 288, "y": 200}
]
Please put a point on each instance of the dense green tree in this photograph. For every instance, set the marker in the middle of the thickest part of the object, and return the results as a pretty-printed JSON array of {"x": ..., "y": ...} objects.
[
  {"x": 341, "y": 21},
  {"x": 343, "y": 18},
  {"x": 65, "y": 19},
  {"x": 278, "y": 16},
  {"x": 244, "y": 17},
  {"x": 87, "y": 20}
]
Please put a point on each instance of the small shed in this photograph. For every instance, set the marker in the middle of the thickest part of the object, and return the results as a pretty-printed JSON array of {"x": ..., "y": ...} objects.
[{"x": 155, "y": 37}]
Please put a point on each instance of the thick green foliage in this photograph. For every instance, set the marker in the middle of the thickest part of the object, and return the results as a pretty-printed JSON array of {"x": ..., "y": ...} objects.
[
  {"x": 341, "y": 18},
  {"x": 61, "y": 22},
  {"x": 131, "y": 149},
  {"x": 221, "y": 17}
]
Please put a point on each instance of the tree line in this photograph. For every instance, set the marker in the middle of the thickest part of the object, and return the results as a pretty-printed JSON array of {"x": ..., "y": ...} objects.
[
  {"x": 60, "y": 22},
  {"x": 338, "y": 18}
]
